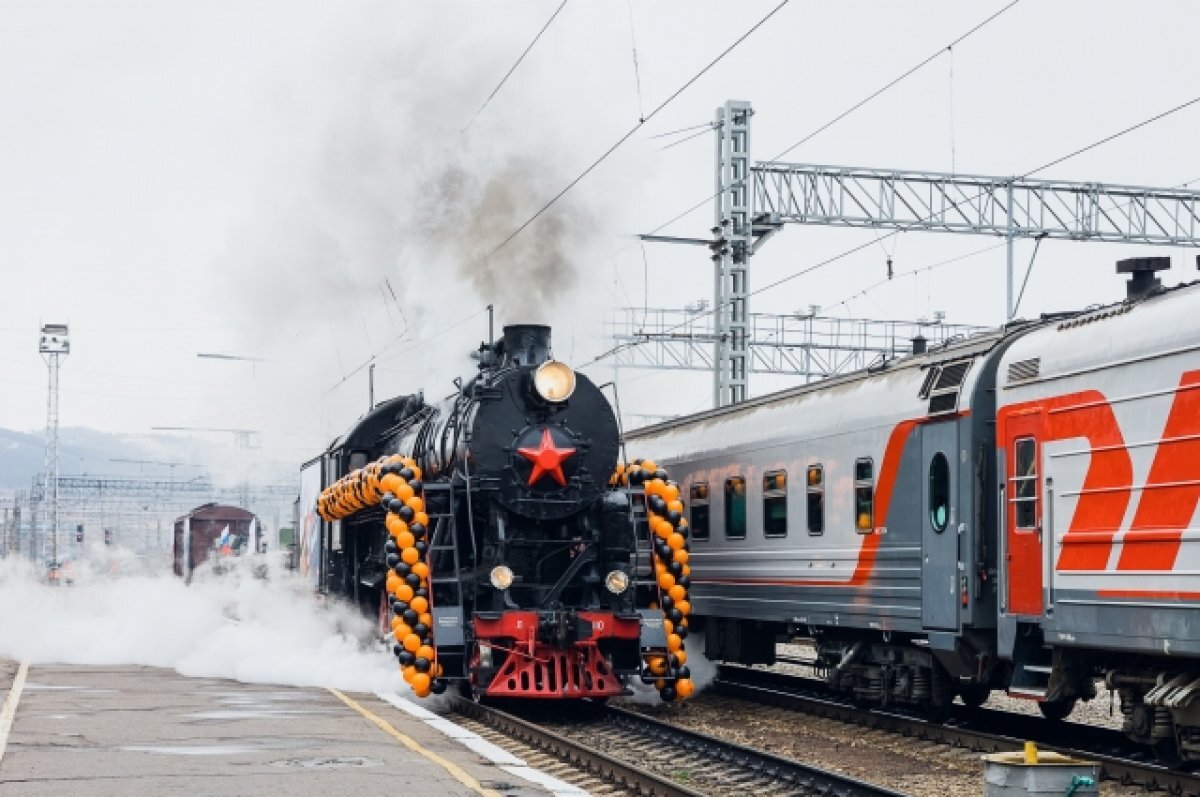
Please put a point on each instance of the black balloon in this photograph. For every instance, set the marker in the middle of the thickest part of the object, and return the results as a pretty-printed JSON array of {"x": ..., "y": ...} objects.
[
  {"x": 406, "y": 514},
  {"x": 420, "y": 629},
  {"x": 387, "y": 499},
  {"x": 667, "y": 693},
  {"x": 422, "y": 664},
  {"x": 402, "y": 569},
  {"x": 438, "y": 686},
  {"x": 422, "y": 593},
  {"x": 681, "y": 632},
  {"x": 674, "y": 516},
  {"x": 418, "y": 530},
  {"x": 684, "y": 581},
  {"x": 675, "y": 568},
  {"x": 667, "y": 602},
  {"x": 413, "y": 580},
  {"x": 393, "y": 560},
  {"x": 406, "y": 658},
  {"x": 406, "y": 474},
  {"x": 390, "y": 546},
  {"x": 660, "y": 474},
  {"x": 399, "y": 607},
  {"x": 417, "y": 485},
  {"x": 674, "y": 615},
  {"x": 410, "y": 616},
  {"x": 397, "y": 650},
  {"x": 421, "y": 547},
  {"x": 684, "y": 672}
]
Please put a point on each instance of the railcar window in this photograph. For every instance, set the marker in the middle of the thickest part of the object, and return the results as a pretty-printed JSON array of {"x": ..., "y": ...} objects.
[
  {"x": 699, "y": 509},
  {"x": 939, "y": 492},
  {"x": 735, "y": 508},
  {"x": 1024, "y": 483},
  {"x": 864, "y": 495},
  {"x": 775, "y": 504},
  {"x": 816, "y": 499}
]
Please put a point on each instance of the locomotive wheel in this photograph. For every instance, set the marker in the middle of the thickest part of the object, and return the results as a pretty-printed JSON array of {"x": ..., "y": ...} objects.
[
  {"x": 1057, "y": 710},
  {"x": 974, "y": 695},
  {"x": 1167, "y": 753}
]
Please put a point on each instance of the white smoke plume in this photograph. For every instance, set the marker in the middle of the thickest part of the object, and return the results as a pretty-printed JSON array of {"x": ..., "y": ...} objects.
[{"x": 237, "y": 625}]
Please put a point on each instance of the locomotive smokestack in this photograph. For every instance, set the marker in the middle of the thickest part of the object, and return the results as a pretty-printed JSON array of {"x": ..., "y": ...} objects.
[
  {"x": 526, "y": 344},
  {"x": 1142, "y": 281}
]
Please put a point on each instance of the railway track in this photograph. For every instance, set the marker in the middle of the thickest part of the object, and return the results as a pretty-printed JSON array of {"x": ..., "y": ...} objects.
[
  {"x": 640, "y": 755},
  {"x": 982, "y": 730}
]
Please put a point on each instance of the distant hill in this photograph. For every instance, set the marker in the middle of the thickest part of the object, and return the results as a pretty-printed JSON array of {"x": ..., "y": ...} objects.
[{"x": 88, "y": 451}]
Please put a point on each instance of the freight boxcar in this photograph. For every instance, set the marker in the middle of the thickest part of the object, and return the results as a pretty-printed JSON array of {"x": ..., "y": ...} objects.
[{"x": 213, "y": 530}]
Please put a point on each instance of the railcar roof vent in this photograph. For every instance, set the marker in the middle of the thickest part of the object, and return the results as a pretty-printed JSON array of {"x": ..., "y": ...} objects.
[
  {"x": 942, "y": 385},
  {"x": 1142, "y": 281},
  {"x": 1023, "y": 370}
]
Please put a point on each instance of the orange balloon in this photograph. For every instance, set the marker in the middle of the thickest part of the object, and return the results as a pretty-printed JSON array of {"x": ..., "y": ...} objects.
[
  {"x": 649, "y": 465},
  {"x": 419, "y": 604},
  {"x": 424, "y": 652},
  {"x": 684, "y": 607},
  {"x": 684, "y": 687},
  {"x": 415, "y": 469},
  {"x": 666, "y": 580},
  {"x": 401, "y": 631},
  {"x": 674, "y": 643},
  {"x": 671, "y": 495},
  {"x": 391, "y": 482},
  {"x": 409, "y": 672},
  {"x": 412, "y": 643},
  {"x": 404, "y": 592},
  {"x": 675, "y": 541},
  {"x": 404, "y": 492},
  {"x": 426, "y": 618},
  {"x": 416, "y": 504},
  {"x": 662, "y": 528},
  {"x": 421, "y": 569},
  {"x": 660, "y": 684},
  {"x": 675, "y": 505},
  {"x": 421, "y": 517},
  {"x": 687, "y": 569},
  {"x": 681, "y": 655},
  {"x": 395, "y": 524},
  {"x": 677, "y": 593},
  {"x": 658, "y": 665},
  {"x": 655, "y": 487},
  {"x": 680, "y": 556},
  {"x": 410, "y": 556},
  {"x": 393, "y": 581},
  {"x": 668, "y": 626},
  {"x": 397, "y": 622},
  {"x": 420, "y": 683},
  {"x": 405, "y": 539}
]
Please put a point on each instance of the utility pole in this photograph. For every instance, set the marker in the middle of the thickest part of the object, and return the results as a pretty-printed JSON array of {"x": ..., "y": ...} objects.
[{"x": 54, "y": 345}]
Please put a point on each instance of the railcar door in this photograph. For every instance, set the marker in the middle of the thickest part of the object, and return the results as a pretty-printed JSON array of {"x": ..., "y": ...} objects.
[
  {"x": 1023, "y": 522},
  {"x": 939, "y": 525}
]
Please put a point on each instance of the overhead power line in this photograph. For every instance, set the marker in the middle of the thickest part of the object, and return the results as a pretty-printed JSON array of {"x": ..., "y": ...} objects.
[
  {"x": 867, "y": 244},
  {"x": 508, "y": 74},
  {"x": 636, "y": 127},
  {"x": 856, "y": 106}
]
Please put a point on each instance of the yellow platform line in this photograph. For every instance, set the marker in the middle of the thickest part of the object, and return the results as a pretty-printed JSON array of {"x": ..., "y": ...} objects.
[
  {"x": 9, "y": 712},
  {"x": 454, "y": 769}
]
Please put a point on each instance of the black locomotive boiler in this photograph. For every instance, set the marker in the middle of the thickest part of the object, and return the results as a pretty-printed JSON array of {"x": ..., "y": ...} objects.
[{"x": 490, "y": 535}]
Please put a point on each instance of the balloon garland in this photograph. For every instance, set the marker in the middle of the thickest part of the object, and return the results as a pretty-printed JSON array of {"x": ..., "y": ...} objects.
[
  {"x": 395, "y": 483},
  {"x": 669, "y": 539}
]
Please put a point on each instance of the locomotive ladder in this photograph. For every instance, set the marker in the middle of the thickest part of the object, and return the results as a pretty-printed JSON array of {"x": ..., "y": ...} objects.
[{"x": 445, "y": 584}]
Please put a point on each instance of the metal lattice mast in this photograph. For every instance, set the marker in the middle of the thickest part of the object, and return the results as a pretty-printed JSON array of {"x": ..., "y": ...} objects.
[
  {"x": 734, "y": 241},
  {"x": 53, "y": 346},
  {"x": 1008, "y": 207}
]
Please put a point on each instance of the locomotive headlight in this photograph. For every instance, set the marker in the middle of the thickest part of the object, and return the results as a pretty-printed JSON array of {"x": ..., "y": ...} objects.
[
  {"x": 554, "y": 381},
  {"x": 501, "y": 577},
  {"x": 617, "y": 581}
]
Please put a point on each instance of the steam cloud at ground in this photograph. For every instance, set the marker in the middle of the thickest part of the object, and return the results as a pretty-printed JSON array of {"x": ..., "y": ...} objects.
[{"x": 235, "y": 625}]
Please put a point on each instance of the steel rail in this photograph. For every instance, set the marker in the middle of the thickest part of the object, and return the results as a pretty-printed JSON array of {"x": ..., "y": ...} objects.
[
  {"x": 739, "y": 759},
  {"x": 810, "y": 696}
]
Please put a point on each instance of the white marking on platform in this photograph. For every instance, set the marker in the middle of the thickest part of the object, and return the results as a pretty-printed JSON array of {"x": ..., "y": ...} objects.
[
  {"x": 9, "y": 712},
  {"x": 472, "y": 741}
]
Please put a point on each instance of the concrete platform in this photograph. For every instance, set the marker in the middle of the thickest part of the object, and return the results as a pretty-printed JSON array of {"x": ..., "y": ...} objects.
[{"x": 137, "y": 730}]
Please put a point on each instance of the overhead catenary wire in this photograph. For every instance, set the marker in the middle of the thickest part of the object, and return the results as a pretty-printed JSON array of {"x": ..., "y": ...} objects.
[
  {"x": 629, "y": 134},
  {"x": 508, "y": 74},
  {"x": 860, "y": 247},
  {"x": 856, "y": 106},
  {"x": 637, "y": 74}
]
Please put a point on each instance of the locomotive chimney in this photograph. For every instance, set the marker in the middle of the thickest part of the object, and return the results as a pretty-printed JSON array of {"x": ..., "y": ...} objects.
[
  {"x": 526, "y": 344},
  {"x": 1142, "y": 281},
  {"x": 920, "y": 343}
]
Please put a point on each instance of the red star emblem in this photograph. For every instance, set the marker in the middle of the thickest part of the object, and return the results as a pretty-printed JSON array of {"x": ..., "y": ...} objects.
[{"x": 547, "y": 458}]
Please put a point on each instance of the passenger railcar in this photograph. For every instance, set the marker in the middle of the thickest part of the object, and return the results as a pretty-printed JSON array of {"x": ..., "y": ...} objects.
[{"x": 1013, "y": 511}]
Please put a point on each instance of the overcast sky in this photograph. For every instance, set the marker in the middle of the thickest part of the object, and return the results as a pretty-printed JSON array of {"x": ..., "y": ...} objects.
[{"x": 260, "y": 178}]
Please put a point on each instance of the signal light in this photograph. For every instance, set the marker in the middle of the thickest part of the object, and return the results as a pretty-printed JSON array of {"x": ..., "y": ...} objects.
[{"x": 79, "y": 533}]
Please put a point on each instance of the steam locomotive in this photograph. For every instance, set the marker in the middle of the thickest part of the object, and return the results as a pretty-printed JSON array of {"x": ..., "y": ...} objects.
[{"x": 489, "y": 531}]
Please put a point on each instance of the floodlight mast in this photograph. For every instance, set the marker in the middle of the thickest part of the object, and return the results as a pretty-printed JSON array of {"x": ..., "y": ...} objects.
[{"x": 54, "y": 344}]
